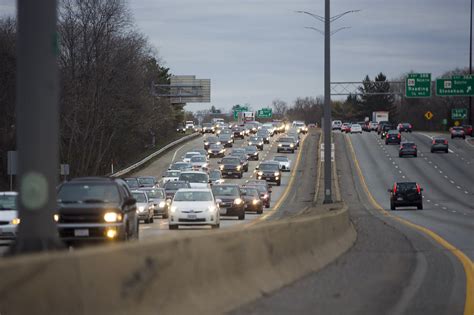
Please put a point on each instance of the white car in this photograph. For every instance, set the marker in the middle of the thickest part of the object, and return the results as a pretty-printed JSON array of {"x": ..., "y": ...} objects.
[
  {"x": 285, "y": 163},
  {"x": 194, "y": 207},
  {"x": 8, "y": 215},
  {"x": 145, "y": 208},
  {"x": 356, "y": 128},
  {"x": 187, "y": 157},
  {"x": 196, "y": 179},
  {"x": 200, "y": 163},
  {"x": 170, "y": 176},
  {"x": 336, "y": 125}
]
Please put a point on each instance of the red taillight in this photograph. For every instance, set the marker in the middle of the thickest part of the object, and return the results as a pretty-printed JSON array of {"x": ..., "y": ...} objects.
[
  {"x": 433, "y": 142},
  {"x": 414, "y": 147},
  {"x": 387, "y": 136},
  {"x": 399, "y": 136},
  {"x": 445, "y": 141},
  {"x": 409, "y": 126},
  {"x": 418, "y": 189},
  {"x": 394, "y": 188}
]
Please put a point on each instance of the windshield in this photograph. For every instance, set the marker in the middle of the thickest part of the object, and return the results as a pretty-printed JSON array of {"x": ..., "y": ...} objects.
[
  {"x": 225, "y": 190},
  {"x": 181, "y": 166},
  {"x": 132, "y": 182},
  {"x": 172, "y": 174},
  {"x": 193, "y": 196},
  {"x": 249, "y": 191},
  {"x": 147, "y": 181},
  {"x": 155, "y": 193},
  {"x": 8, "y": 202},
  {"x": 402, "y": 187},
  {"x": 215, "y": 175},
  {"x": 194, "y": 177},
  {"x": 175, "y": 185},
  {"x": 190, "y": 155},
  {"x": 139, "y": 196},
  {"x": 216, "y": 146},
  {"x": 230, "y": 161},
  {"x": 250, "y": 149},
  {"x": 207, "y": 125},
  {"x": 286, "y": 140},
  {"x": 281, "y": 158},
  {"x": 269, "y": 167},
  {"x": 238, "y": 152},
  {"x": 198, "y": 159},
  {"x": 91, "y": 192},
  {"x": 260, "y": 188}
]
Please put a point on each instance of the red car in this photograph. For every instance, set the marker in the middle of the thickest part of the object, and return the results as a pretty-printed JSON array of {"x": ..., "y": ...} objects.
[
  {"x": 467, "y": 130},
  {"x": 346, "y": 127}
]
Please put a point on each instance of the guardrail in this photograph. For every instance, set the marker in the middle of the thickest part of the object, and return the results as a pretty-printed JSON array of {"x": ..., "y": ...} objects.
[{"x": 154, "y": 154}]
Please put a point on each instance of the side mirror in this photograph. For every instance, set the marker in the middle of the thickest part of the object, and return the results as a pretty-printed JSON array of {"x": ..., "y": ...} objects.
[
  {"x": 257, "y": 167},
  {"x": 130, "y": 201},
  {"x": 218, "y": 201}
]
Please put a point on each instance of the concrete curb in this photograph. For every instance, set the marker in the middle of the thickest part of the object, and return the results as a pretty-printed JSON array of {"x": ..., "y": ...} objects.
[
  {"x": 155, "y": 154},
  {"x": 208, "y": 273}
]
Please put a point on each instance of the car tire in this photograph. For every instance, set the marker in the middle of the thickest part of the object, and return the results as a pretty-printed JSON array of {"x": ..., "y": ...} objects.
[
  {"x": 432, "y": 151},
  {"x": 152, "y": 219},
  {"x": 173, "y": 226},
  {"x": 242, "y": 216},
  {"x": 392, "y": 206},
  {"x": 420, "y": 206},
  {"x": 278, "y": 150},
  {"x": 416, "y": 155},
  {"x": 216, "y": 226},
  {"x": 452, "y": 137},
  {"x": 146, "y": 221},
  {"x": 278, "y": 183},
  {"x": 293, "y": 151},
  {"x": 260, "y": 211},
  {"x": 240, "y": 175},
  {"x": 400, "y": 155},
  {"x": 267, "y": 205},
  {"x": 447, "y": 151}
]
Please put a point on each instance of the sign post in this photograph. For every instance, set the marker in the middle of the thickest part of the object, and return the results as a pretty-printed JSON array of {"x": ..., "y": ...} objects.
[
  {"x": 418, "y": 85},
  {"x": 12, "y": 166}
]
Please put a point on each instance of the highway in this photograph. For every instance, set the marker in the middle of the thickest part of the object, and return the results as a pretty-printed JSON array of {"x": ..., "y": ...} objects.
[
  {"x": 301, "y": 193},
  {"x": 393, "y": 268}
]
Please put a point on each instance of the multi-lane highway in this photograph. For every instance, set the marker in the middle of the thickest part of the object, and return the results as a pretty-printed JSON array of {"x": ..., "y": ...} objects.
[
  {"x": 297, "y": 195},
  {"x": 394, "y": 267}
]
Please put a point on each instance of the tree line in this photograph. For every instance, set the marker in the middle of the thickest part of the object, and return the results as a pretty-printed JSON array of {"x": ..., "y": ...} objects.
[{"x": 107, "y": 112}]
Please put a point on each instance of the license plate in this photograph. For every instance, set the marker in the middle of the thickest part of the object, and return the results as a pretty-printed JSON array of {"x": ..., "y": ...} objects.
[
  {"x": 229, "y": 173},
  {"x": 269, "y": 178},
  {"x": 223, "y": 211},
  {"x": 81, "y": 232},
  {"x": 192, "y": 216}
]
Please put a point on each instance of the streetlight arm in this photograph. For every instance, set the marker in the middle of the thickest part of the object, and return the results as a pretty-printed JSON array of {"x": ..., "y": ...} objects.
[
  {"x": 317, "y": 17},
  {"x": 337, "y": 17},
  {"x": 340, "y": 29},
  {"x": 315, "y": 29}
]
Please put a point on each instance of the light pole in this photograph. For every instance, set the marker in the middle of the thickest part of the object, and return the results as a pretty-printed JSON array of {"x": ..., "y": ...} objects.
[
  {"x": 470, "y": 63},
  {"x": 327, "y": 19}
]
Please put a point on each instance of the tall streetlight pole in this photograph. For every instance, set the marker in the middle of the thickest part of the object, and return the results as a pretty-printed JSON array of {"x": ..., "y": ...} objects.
[
  {"x": 470, "y": 63},
  {"x": 327, "y": 19},
  {"x": 327, "y": 104}
]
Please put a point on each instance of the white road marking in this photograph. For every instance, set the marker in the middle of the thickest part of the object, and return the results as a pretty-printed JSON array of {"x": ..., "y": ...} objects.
[
  {"x": 428, "y": 200},
  {"x": 451, "y": 181},
  {"x": 458, "y": 187},
  {"x": 466, "y": 192},
  {"x": 175, "y": 152},
  {"x": 436, "y": 205},
  {"x": 444, "y": 208}
]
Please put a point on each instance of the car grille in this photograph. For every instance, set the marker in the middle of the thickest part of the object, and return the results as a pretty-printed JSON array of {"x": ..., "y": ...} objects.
[
  {"x": 80, "y": 218},
  {"x": 192, "y": 220},
  {"x": 4, "y": 222}
]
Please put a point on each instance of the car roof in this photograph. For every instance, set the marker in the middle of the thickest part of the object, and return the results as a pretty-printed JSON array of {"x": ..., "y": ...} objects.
[
  {"x": 97, "y": 179},
  {"x": 227, "y": 185},
  {"x": 195, "y": 189}
]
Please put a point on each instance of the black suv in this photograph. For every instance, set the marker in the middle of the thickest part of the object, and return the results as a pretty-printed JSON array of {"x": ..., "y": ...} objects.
[
  {"x": 239, "y": 132},
  {"x": 406, "y": 194},
  {"x": 231, "y": 166},
  {"x": 269, "y": 171},
  {"x": 231, "y": 201},
  {"x": 96, "y": 208}
]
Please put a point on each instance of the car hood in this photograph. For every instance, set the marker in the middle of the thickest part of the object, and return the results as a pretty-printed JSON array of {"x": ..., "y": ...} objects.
[
  {"x": 192, "y": 205},
  {"x": 8, "y": 215},
  {"x": 199, "y": 185}
]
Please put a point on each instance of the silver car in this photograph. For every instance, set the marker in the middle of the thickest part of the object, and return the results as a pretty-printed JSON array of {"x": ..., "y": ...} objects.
[
  {"x": 8, "y": 215},
  {"x": 145, "y": 207}
]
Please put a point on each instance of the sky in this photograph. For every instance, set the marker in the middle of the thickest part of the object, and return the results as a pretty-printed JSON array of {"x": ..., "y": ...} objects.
[{"x": 255, "y": 51}]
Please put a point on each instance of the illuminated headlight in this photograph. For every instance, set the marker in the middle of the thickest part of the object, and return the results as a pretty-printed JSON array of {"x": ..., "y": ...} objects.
[
  {"x": 218, "y": 142},
  {"x": 173, "y": 209},
  {"x": 254, "y": 129},
  {"x": 213, "y": 129},
  {"x": 238, "y": 201},
  {"x": 250, "y": 143},
  {"x": 141, "y": 208},
  {"x": 111, "y": 233},
  {"x": 241, "y": 133},
  {"x": 265, "y": 196},
  {"x": 209, "y": 151},
  {"x": 261, "y": 143},
  {"x": 256, "y": 153},
  {"x": 280, "y": 145},
  {"x": 277, "y": 174},
  {"x": 212, "y": 209},
  {"x": 222, "y": 151},
  {"x": 221, "y": 167},
  {"x": 206, "y": 143},
  {"x": 162, "y": 204},
  {"x": 204, "y": 165},
  {"x": 113, "y": 216},
  {"x": 15, "y": 221},
  {"x": 56, "y": 217},
  {"x": 292, "y": 145},
  {"x": 239, "y": 167},
  {"x": 255, "y": 201},
  {"x": 230, "y": 141},
  {"x": 259, "y": 173}
]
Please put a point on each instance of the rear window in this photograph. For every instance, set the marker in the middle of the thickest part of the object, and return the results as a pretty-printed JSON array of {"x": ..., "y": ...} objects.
[
  {"x": 155, "y": 193},
  {"x": 230, "y": 161},
  {"x": 408, "y": 145},
  {"x": 281, "y": 158},
  {"x": 140, "y": 197},
  {"x": 406, "y": 186},
  {"x": 225, "y": 190},
  {"x": 269, "y": 167},
  {"x": 194, "y": 177},
  {"x": 286, "y": 140},
  {"x": 440, "y": 140},
  {"x": 175, "y": 185}
]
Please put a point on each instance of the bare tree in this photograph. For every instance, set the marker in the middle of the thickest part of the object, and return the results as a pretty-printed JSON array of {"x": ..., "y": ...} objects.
[{"x": 280, "y": 107}]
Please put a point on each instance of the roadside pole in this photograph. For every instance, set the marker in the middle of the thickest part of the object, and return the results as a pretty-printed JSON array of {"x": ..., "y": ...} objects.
[
  {"x": 37, "y": 121},
  {"x": 327, "y": 105}
]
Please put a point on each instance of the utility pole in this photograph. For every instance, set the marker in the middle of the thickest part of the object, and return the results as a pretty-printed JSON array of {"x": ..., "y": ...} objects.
[
  {"x": 37, "y": 121},
  {"x": 327, "y": 105}
]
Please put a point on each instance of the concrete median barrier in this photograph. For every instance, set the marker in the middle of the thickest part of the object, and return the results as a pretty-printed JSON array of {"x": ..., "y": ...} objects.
[{"x": 183, "y": 273}]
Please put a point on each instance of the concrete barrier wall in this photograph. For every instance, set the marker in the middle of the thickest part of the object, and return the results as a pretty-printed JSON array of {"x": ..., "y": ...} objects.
[{"x": 206, "y": 273}]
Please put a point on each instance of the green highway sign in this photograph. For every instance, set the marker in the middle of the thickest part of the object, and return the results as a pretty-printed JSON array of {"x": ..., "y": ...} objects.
[
  {"x": 457, "y": 85},
  {"x": 238, "y": 109},
  {"x": 264, "y": 113},
  {"x": 418, "y": 85},
  {"x": 458, "y": 113}
]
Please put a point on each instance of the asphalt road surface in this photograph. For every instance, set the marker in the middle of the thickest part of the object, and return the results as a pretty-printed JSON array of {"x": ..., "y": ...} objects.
[{"x": 392, "y": 268}]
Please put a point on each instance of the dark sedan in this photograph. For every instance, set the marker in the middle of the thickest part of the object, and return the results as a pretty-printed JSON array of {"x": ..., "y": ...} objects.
[
  {"x": 407, "y": 148},
  {"x": 226, "y": 140},
  {"x": 210, "y": 141},
  {"x": 231, "y": 203},
  {"x": 439, "y": 144},
  {"x": 216, "y": 150},
  {"x": 172, "y": 187},
  {"x": 231, "y": 166},
  {"x": 252, "y": 152},
  {"x": 393, "y": 136},
  {"x": 252, "y": 199},
  {"x": 269, "y": 171}
]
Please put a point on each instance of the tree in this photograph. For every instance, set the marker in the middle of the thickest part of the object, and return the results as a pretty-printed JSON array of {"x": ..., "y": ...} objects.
[
  {"x": 279, "y": 108},
  {"x": 375, "y": 96}
]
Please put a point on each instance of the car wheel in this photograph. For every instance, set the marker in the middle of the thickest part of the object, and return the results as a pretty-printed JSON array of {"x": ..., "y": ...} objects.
[
  {"x": 152, "y": 219},
  {"x": 278, "y": 151},
  {"x": 452, "y": 137},
  {"x": 242, "y": 216},
  {"x": 420, "y": 206},
  {"x": 432, "y": 151},
  {"x": 392, "y": 206},
  {"x": 146, "y": 221},
  {"x": 278, "y": 183},
  {"x": 216, "y": 226},
  {"x": 240, "y": 175},
  {"x": 400, "y": 155},
  {"x": 260, "y": 210},
  {"x": 416, "y": 155},
  {"x": 267, "y": 205},
  {"x": 173, "y": 226},
  {"x": 447, "y": 151}
]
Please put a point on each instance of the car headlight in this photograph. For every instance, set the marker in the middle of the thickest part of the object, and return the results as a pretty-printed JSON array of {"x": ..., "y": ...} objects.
[
  {"x": 221, "y": 167},
  {"x": 222, "y": 151},
  {"x": 141, "y": 208},
  {"x": 173, "y": 209},
  {"x": 256, "y": 153},
  {"x": 276, "y": 173},
  {"x": 261, "y": 143},
  {"x": 113, "y": 216},
  {"x": 209, "y": 151},
  {"x": 212, "y": 209},
  {"x": 15, "y": 221},
  {"x": 259, "y": 173},
  {"x": 218, "y": 142},
  {"x": 250, "y": 143},
  {"x": 56, "y": 217},
  {"x": 255, "y": 201},
  {"x": 206, "y": 143},
  {"x": 162, "y": 204},
  {"x": 265, "y": 196},
  {"x": 292, "y": 145},
  {"x": 239, "y": 167},
  {"x": 238, "y": 201},
  {"x": 279, "y": 144},
  {"x": 230, "y": 141}
]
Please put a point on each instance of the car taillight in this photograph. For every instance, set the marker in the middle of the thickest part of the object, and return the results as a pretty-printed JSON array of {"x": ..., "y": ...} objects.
[
  {"x": 414, "y": 147},
  {"x": 387, "y": 136},
  {"x": 409, "y": 126},
  {"x": 445, "y": 141},
  {"x": 418, "y": 189},
  {"x": 433, "y": 142},
  {"x": 399, "y": 136}
]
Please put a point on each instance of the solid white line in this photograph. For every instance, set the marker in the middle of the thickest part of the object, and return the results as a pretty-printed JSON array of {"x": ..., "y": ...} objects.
[{"x": 175, "y": 152}]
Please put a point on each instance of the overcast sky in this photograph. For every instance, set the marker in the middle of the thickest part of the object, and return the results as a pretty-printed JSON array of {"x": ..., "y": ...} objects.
[{"x": 257, "y": 50}]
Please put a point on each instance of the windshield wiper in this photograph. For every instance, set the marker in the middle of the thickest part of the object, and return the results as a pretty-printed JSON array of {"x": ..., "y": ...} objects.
[
  {"x": 68, "y": 201},
  {"x": 93, "y": 201}
]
